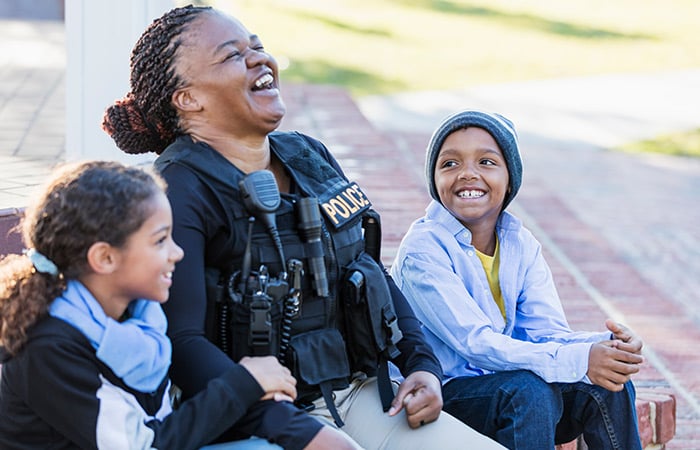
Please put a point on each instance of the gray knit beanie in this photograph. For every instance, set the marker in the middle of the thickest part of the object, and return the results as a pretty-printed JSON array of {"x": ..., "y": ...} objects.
[{"x": 498, "y": 126}]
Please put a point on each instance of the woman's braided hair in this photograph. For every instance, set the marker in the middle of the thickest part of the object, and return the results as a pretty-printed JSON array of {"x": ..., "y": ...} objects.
[{"x": 145, "y": 120}]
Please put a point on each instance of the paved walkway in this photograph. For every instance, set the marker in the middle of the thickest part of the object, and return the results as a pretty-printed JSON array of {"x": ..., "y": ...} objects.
[
  {"x": 620, "y": 231},
  {"x": 32, "y": 105}
]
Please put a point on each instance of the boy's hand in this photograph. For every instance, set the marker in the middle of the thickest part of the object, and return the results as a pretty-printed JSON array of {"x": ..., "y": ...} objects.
[
  {"x": 612, "y": 363},
  {"x": 421, "y": 396},
  {"x": 629, "y": 341}
]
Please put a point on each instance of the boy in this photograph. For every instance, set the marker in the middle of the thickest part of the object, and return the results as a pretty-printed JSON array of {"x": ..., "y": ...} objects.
[{"x": 477, "y": 280}]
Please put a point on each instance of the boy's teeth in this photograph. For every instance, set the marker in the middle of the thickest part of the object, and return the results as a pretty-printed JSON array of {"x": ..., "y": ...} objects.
[{"x": 471, "y": 194}]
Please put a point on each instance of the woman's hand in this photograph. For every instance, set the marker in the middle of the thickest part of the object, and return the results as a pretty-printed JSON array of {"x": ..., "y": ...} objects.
[
  {"x": 275, "y": 379},
  {"x": 420, "y": 395}
]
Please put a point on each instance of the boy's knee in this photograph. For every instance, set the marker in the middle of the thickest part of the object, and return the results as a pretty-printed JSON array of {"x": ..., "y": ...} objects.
[
  {"x": 625, "y": 397},
  {"x": 530, "y": 391}
]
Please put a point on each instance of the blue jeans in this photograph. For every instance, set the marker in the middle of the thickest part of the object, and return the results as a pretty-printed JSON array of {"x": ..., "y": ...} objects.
[
  {"x": 253, "y": 443},
  {"x": 521, "y": 411}
]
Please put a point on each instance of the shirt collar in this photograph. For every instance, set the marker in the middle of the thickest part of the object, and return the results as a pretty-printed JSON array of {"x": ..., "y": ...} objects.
[{"x": 438, "y": 213}]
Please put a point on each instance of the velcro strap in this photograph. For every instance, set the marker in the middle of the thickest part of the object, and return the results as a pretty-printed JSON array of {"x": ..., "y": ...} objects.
[
  {"x": 386, "y": 392},
  {"x": 327, "y": 391}
]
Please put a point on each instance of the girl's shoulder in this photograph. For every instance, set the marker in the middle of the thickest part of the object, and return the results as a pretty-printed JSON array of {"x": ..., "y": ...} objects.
[
  {"x": 51, "y": 329},
  {"x": 52, "y": 339},
  {"x": 55, "y": 355}
]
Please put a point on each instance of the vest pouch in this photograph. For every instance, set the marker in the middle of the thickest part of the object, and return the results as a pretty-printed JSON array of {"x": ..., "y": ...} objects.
[
  {"x": 370, "y": 321},
  {"x": 318, "y": 358}
]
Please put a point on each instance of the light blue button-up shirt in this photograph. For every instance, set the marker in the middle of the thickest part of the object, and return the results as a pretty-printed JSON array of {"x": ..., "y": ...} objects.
[{"x": 442, "y": 277}]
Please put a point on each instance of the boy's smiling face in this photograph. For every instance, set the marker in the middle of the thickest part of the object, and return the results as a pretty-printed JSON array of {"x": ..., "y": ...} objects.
[{"x": 471, "y": 177}]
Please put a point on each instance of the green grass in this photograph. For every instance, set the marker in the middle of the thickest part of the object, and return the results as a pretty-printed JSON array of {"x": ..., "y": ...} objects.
[
  {"x": 384, "y": 46},
  {"x": 679, "y": 144}
]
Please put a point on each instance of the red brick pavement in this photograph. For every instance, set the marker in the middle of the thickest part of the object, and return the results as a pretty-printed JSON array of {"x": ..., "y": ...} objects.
[{"x": 593, "y": 281}]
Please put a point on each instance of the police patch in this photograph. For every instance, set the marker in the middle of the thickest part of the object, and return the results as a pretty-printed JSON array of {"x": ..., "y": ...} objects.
[{"x": 345, "y": 204}]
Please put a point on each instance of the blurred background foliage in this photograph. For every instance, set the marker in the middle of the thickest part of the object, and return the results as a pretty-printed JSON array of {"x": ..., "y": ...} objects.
[
  {"x": 374, "y": 47},
  {"x": 383, "y": 46}
]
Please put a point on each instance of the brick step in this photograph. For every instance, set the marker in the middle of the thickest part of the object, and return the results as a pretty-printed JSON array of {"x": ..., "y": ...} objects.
[{"x": 656, "y": 416}]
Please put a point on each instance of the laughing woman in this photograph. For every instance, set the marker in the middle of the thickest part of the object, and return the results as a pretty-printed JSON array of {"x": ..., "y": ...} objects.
[{"x": 205, "y": 97}]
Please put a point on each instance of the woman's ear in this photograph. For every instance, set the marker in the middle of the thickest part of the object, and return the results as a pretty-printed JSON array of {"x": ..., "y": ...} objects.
[
  {"x": 184, "y": 100},
  {"x": 102, "y": 258}
]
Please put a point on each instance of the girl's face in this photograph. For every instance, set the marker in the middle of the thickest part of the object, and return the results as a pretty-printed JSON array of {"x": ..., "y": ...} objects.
[
  {"x": 471, "y": 177},
  {"x": 233, "y": 80},
  {"x": 147, "y": 259}
]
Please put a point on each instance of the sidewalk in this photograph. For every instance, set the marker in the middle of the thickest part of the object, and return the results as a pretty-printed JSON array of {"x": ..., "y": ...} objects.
[
  {"x": 620, "y": 231},
  {"x": 32, "y": 105}
]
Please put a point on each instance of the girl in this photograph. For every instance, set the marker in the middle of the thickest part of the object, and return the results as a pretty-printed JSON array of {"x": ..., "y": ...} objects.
[{"x": 84, "y": 351}]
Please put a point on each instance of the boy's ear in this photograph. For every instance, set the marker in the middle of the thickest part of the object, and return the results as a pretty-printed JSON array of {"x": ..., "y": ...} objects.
[
  {"x": 102, "y": 258},
  {"x": 184, "y": 100}
]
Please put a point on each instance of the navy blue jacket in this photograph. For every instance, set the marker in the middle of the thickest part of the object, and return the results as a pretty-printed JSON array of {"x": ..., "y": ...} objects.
[{"x": 56, "y": 394}]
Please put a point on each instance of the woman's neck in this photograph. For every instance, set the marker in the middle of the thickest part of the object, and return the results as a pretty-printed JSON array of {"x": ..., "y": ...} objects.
[{"x": 249, "y": 156}]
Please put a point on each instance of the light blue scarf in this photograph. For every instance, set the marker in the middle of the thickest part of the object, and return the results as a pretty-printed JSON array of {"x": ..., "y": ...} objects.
[{"x": 137, "y": 350}]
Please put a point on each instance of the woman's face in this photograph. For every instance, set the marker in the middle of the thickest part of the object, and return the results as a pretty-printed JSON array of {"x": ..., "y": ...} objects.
[
  {"x": 471, "y": 176},
  {"x": 233, "y": 82}
]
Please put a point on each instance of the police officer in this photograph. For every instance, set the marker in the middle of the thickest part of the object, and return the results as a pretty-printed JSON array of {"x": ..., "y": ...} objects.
[{"x": 205, "y": 97}]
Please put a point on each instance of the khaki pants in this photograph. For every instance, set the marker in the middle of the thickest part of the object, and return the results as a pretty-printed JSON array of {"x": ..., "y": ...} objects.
[{"x": 365, "y": 421}]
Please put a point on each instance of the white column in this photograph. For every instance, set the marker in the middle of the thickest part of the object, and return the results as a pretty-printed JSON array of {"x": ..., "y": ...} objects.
[{"x": 99, "y": 37}]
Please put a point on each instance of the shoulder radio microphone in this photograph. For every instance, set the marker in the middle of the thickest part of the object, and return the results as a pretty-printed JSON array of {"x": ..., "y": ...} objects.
[{"x": 261, "y": 197}]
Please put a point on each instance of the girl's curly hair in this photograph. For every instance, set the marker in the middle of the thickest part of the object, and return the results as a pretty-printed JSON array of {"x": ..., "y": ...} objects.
[{"x": 82, "y": 203}]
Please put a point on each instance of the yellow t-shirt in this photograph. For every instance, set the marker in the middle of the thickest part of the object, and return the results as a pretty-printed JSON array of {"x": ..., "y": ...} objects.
[{"x": 491, "y": 264}]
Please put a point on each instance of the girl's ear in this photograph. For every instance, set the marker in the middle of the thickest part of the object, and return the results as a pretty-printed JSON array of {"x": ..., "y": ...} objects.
[
  {"x": 102, "y": 258},
  {"x": 184, "y": 100}
]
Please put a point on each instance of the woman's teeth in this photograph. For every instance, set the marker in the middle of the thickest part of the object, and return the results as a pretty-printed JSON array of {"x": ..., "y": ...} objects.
[{"x": 264, "y": 81}]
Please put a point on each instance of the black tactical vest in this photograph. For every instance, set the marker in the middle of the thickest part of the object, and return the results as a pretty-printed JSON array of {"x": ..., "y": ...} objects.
[{"x": 276, "y": 309}]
